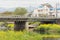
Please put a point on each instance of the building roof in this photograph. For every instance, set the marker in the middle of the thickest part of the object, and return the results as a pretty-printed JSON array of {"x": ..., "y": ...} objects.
[
  {"x": 41, "y": 6},
  {"x": 48, "y": 5},
  {"x": 51, "y": 8}
]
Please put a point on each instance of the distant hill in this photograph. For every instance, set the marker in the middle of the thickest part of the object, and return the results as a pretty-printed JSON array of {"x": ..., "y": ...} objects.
[
  {"x": 4, "y": 9},
  {"x": 12, "y": 9}
]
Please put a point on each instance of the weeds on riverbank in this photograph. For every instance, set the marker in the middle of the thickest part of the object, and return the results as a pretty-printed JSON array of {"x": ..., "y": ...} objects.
[
  {"x": 26, "y": 35},
  {"x": 11, "y": 35}
]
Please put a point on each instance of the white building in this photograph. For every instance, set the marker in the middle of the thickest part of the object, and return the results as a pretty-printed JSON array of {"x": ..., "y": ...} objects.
[
  {"x": 58, "y": 12},
  {"x": 43, "y": 10}
]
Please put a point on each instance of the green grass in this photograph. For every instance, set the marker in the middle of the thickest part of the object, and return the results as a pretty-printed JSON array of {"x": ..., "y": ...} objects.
[{"x": 11, "y": 35}]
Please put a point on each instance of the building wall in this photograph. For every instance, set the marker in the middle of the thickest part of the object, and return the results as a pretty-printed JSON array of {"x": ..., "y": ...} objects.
[
  {"x": 41, "y": 11},
  {"x": 46, "y": 10},
  {"x": 58, "y": 13}
]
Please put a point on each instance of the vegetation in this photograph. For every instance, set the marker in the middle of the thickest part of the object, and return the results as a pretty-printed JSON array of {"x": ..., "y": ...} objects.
[
  {"x": 48, "y": 29},
  {"x": 17, "y": 11},
  {"x": 41, "y": 31},
  {"x": 20, "y": 11},
  {"x": 11, "y": 35},
  {"x": 10, "y": 25},
  {"x": 6, "y": 13}
]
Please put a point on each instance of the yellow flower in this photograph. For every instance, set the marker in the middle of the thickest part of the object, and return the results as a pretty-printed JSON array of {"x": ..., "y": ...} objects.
[{"x": 10, "y": 25}]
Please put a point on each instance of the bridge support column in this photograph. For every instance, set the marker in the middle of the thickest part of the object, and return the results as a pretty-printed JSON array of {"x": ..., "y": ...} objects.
[
  {"x": 19, "y": 25},
  {"x": 58, "y": 21},
  {"x": 27, "y": 26}
]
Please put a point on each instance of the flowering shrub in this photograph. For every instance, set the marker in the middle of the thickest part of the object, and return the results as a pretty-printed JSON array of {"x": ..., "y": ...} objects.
[
  {"x": 10, "y": 25},
  {"x": 48, "y": 29},
  {"x": 11, "y": 35}
]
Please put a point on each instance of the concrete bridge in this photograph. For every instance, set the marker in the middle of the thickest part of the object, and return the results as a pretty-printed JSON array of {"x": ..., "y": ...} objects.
[{"x": 22, "y": 21}]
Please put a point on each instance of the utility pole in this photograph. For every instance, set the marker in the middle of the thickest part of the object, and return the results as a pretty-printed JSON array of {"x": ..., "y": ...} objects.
[{"x": 56, "y": 10}]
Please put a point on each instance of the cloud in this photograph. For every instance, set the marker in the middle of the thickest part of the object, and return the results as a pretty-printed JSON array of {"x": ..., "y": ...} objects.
[{"x": 24, "y": 3}]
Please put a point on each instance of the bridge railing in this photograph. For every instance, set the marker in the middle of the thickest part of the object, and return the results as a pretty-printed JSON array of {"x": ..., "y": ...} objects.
[
  {"x": 12, "y": 16},
  {"x": 19, "y": 16}
]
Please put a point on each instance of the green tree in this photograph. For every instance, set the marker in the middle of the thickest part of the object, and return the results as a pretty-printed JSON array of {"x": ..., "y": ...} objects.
[
  {"x": 20, "y": 11},
  {"x": 6, "y": 13}
]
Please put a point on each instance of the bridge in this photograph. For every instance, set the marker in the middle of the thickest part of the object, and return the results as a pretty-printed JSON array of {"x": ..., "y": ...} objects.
[
  {"x": 26, "y": 18},
  {"x": 21, "y": 21}
]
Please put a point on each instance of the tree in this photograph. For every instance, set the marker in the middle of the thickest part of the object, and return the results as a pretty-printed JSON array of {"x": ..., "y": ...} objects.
[
  {"x": 7, "y": 13},
  {"x": 20, "y": 11}
]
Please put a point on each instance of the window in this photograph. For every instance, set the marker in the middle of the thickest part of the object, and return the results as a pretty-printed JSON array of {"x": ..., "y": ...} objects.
[{"x": 38, "y": 10}]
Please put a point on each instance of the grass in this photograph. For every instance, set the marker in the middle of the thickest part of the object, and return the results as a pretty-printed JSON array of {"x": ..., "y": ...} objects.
[{"x": 11, "y": 35}]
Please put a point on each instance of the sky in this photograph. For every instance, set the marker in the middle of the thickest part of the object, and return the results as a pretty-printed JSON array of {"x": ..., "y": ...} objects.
[
  {"x": 11, "y": 4},
  {"x": 25, "y": 3}
]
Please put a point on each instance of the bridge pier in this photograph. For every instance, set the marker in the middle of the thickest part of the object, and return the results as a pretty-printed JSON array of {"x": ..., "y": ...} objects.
[
  {"x": 27, "y": 25},
  {"x": 19, "y": 25},
  {"x": 58, "y": 21}
]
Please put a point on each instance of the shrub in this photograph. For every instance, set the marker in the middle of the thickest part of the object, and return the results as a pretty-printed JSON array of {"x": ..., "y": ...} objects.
[
  {"x": 48, "y": 29},
  {"x": 11, "y": 35}
]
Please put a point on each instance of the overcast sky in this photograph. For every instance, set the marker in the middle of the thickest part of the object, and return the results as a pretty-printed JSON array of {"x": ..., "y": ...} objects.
[{"x": 25, "y": 3}]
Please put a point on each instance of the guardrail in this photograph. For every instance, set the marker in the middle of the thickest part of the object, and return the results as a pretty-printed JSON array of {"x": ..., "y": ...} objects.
[{"x": 18, "y": 16}]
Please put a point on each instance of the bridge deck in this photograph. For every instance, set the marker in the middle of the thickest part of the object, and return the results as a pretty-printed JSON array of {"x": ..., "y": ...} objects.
[{"x": 26, "y": 18}]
